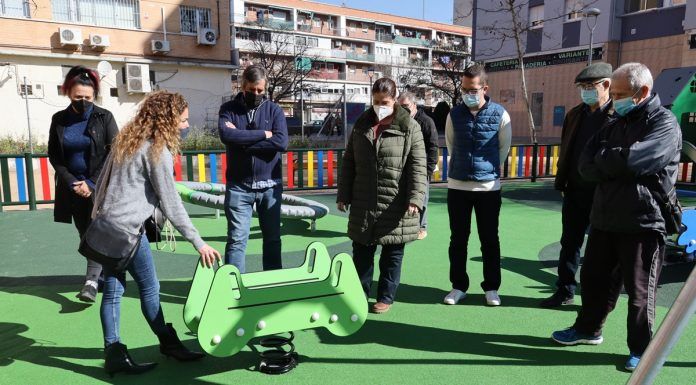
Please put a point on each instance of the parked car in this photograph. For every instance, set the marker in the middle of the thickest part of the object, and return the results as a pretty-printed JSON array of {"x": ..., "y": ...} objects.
[{"x": 313, "y": 127}]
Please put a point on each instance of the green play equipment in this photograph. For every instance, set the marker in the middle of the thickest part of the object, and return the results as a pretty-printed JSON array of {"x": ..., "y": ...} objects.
[
  {"x": 677, "y": 90},
  {"x": 227, "y": 309}
]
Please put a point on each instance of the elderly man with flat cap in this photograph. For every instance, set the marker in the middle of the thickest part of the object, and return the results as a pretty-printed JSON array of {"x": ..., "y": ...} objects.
[{"x": 580, "y": 124}]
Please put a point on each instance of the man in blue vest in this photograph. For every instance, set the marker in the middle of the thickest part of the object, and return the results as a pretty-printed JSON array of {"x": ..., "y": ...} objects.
[{"x": 478, "y": 135}]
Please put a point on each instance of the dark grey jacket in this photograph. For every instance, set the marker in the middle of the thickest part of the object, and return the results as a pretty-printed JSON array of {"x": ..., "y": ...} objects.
[
  {"x": 380, "y": 179},
  {"x": 628, "y": 159},
  {"x": 430, "y": 138}
]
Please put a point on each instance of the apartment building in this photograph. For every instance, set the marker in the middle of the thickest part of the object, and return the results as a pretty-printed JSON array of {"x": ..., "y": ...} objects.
[
  {"x": 658, "y": 33},
  {"x": 138, "y": 46},
  {"x": 347, "y": 47}
]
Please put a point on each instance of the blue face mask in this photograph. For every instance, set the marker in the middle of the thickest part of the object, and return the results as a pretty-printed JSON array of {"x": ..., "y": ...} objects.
[
  {"x": 472, "y": 101},
  {"x": 625, "y": 105},
  {"x": 589, "y": 97}
]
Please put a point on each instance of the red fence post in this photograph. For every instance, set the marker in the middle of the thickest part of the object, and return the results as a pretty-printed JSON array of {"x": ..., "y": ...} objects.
[
  {"x": 177, "y": 168},
  {"x": 291, "y": 170},
  {"x": 330, "y": 164},
  {"x": 223, "y": 167},
  {"x": 45, "y": 180}
]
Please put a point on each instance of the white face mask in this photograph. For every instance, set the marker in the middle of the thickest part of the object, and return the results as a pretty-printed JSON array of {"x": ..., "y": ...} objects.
[{"x": 383, "y": 111}]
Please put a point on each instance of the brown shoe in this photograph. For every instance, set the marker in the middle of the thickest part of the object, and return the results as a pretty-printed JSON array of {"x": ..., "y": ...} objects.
[
  {"x": 422, "y": 234},
  {"x": 380, "y": 308}
]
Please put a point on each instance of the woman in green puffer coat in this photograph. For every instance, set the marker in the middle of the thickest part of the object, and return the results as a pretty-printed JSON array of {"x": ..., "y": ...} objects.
[{"x": 383, "y": 182}]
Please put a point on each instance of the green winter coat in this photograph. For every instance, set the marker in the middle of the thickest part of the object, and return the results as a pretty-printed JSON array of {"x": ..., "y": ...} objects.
[{"x": 379, "y": 180}]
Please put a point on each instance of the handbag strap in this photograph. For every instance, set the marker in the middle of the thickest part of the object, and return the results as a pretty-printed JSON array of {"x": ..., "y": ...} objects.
[{"x": 102, "y": 185}]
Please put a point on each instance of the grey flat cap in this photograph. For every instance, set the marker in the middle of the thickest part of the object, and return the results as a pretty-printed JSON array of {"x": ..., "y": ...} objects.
[{"x": 594, "y": 71}]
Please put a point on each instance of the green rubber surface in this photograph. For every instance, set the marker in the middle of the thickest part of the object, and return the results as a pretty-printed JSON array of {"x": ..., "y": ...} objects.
[{"x": 48, "y": 337}]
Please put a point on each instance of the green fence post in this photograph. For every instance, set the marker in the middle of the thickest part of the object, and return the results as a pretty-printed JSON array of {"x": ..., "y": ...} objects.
[
  {"x": 29, "y": 165},
  {"x": 300, "y": 169},
  {"x": 5, "y": 176},
  {"x": 189, "y": 168}
]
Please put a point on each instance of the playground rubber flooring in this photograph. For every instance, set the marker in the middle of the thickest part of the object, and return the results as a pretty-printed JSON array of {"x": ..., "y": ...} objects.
[{"x": 48, "y": 337}]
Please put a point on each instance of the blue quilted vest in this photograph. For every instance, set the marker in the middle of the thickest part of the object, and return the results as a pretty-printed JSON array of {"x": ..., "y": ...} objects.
[{"x": 475, "y": 153}]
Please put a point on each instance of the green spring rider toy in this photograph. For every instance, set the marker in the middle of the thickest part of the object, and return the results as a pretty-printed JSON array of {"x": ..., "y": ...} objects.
[{"x": 226, "y": 309}]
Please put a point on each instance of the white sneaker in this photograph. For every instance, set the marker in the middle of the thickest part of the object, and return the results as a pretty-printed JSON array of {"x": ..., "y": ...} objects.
[
  {"x": 454, "y": 296},
  {"x": 492, "y": 298}
]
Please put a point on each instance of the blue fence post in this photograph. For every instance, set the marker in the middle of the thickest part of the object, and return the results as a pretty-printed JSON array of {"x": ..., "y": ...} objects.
[
  {"x": 21, "y": 189},
  {"x": 320, "y": 169},
  {"x": 444, "y": 164},
  {"x": 213, "y": 168}
]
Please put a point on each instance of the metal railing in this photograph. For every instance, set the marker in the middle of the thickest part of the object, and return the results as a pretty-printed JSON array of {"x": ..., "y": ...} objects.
[
  {"x": 412, "y": 41},
  {"x": 360, "y": 56}
]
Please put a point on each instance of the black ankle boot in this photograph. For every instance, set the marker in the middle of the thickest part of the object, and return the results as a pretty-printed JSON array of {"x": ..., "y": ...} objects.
[
  {"x": 171, "y": 346},
  {"x": 118, "y": 360}
]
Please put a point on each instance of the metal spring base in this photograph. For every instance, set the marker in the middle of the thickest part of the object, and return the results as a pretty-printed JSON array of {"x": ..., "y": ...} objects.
[{"x": 278, "y": 359}]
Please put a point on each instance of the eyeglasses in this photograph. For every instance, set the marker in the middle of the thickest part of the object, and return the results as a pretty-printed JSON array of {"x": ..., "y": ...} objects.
[
  {"x": 471, "y": 91},
  {"x": 588, "y": 86}
]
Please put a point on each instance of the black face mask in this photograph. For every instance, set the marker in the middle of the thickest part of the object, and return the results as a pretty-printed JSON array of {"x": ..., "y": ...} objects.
[
  {"x": 252, "y": 100},
  {"x": 81, "y": 105}
]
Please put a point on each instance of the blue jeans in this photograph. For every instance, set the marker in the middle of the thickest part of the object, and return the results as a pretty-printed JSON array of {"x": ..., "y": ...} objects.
[
  {"x": 239, "y": 201},
  {"x": 142, "y": 269}
]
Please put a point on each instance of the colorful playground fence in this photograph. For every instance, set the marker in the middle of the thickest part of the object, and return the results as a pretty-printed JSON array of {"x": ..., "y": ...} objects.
[{"x": 29, "y": 180}]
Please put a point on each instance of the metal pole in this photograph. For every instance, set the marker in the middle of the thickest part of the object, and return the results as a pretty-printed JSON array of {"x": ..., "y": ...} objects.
[
  {"x": 345, "y": 117},
  {"x": 667, "y": 335},
  {"x": 589, "y": 55},
  {"x": 302, "y": 107},
  {"x": 26, "y": 102}
]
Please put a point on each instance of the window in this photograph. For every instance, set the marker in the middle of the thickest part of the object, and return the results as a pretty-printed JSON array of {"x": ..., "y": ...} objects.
[
  {"x": 366, "y": 48},
  {"x": 364, "y": 70},
  {"x": 573, "y": 9},
  {"x": 364, "y": 27},
  {"x": 307, "y": 41},
  {"x": 536, "y": 16},
  {"x": 317, "y": 23},
  {"x": 14, "y": 8},
  {"x": 193, "y": 18},
  {"x": 351, "y": 27},
  {"x": 403, "y": 52},
  {"x": 351, "y": 69},
  {"x": 107, "y": 13},
  {"x": 674, "y": 2},
  {"x": 537, "y": 109},
  {"x": 641, "y": 5},
  {"x": 352, "y": 47},
  {"x": 279, "y": 15},
  {"x": 330, "y": 66}
]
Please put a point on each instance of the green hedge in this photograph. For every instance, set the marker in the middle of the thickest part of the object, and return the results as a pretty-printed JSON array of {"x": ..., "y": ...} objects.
[{"x": 19, "y": 145}]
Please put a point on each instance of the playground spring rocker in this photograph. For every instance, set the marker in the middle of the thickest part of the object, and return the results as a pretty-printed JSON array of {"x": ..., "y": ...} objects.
[{"x": 227, "y": 310}]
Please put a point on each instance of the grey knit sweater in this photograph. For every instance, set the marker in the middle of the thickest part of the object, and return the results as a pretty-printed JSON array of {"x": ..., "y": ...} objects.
[{"x": 134, "y": 189}]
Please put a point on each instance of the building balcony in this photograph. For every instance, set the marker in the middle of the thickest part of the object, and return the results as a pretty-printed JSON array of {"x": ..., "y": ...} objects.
[
  {"x": 360, "y": 56},
  {"x": 384, "y": 37},
  {"x": 391, "y": 60},
  {"x": 270, "y": 23},
  {"x": 327, "y": 75},
  {"x": 412, "y": 41}
]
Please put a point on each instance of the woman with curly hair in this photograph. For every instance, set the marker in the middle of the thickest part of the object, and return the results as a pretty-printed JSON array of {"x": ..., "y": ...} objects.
[
  {"x": 140, "y": 179},
  {"x": 79, "y": 141}
]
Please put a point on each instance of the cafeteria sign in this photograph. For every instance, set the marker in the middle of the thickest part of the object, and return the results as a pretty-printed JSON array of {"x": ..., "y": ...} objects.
[{"x": 544, "y": 60}]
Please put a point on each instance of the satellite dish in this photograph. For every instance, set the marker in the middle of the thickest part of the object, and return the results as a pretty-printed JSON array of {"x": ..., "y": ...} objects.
[{"x": 104, "y": 68}]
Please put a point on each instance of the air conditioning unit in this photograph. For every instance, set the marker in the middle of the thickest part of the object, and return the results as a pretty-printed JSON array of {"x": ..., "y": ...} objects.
[
  {"x": 138, "y": 78},
  {"x": 207, "y": 36},
  {"x": 99, "y": 41},
  {"x": 70, "y": 36},
  {"x": 160, "y": 46}
]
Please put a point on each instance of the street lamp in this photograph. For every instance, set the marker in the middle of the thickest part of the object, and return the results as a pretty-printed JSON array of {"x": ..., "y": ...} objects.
[
  {"x": 370, "y": 74},
  {"x": 591, "y": 13}
]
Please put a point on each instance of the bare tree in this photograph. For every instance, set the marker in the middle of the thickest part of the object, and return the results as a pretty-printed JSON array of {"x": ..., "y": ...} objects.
[
  {"x": 286, "y": 58},
  {"x": 511, "y": 24}
]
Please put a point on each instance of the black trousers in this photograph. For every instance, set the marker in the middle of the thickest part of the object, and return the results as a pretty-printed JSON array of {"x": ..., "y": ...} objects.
[
  {"x": 81, "y": 209},
  {"x": 389, "y": 269},
  {"x": 486, "y": 205},
  {"x": 613, "y": 259},
  {"x": 575, "y": 221}
]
